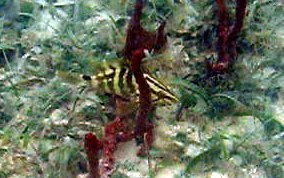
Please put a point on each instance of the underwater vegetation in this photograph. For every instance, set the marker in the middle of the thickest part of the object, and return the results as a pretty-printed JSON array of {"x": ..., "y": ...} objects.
[{"x": 144, "y": 88}]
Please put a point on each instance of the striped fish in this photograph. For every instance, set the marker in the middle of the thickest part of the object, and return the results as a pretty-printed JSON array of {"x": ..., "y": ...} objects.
[{"x": 115, "y": 77}]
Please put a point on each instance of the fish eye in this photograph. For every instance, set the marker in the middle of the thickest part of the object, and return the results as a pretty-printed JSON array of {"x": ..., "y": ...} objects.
[{"x": 87, "y": 77}]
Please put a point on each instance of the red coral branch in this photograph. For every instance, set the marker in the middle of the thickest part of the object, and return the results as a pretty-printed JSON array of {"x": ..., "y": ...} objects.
[
  {"x": 115, "y": 132},
  {"x": 110, "y": 145},
  {"x": 138, "y": 40},
  {"x": 93, "y": 146},
  {"x": 227, "y": 37},
  {"x": 237, "y": 28},
  {"x": 144, "y": 96},
  {"x": 223, "y": 29},
  {"x": 142, "y": 124},
  {"x": 240, "y": 15}
]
